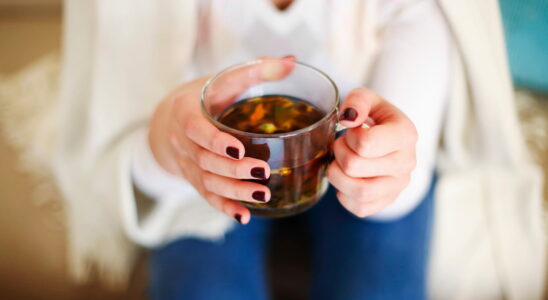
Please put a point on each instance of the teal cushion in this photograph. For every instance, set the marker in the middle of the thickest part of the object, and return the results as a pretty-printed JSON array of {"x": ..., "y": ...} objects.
[{"x": 526, "y": 30}]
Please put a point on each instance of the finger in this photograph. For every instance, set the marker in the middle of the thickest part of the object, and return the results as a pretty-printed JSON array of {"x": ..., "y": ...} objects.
[
  {"x": 199, "y": 130},
  {"x": 246, "y": 168},
  {"x": 391, "y": 130},
  {"x": 356, "y": 106},
  {"x": 381, "y": 139},
  {"x": 361, "y": 209},
  {"x": 362, "y": 189},
  {"x": 229, "y": 207},
  {"x": 264, "y": 69},
  {"x": 231, "y": 84},
  {"x": 393, "y": 164},
  {"x": 235, "y": 189},
  {"x": 347, "y": 185},
  {"x": 192, "y": 173}
]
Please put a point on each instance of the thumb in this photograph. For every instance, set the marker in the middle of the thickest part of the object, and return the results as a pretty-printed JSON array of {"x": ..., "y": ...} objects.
[{"x": 356, "y": 107}]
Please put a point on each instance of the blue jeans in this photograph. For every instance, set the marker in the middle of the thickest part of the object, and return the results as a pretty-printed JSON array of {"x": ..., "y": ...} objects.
[{"x": 352, "y": 258}]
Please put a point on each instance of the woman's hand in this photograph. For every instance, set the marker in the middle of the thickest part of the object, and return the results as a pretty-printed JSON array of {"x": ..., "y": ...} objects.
[
  {"x": 185, "y": 143},
  {"x": 372, "y": 165}
]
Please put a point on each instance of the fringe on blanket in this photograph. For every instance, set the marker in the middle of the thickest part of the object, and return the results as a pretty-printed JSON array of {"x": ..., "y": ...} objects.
[{"x": 28, "y": 106}]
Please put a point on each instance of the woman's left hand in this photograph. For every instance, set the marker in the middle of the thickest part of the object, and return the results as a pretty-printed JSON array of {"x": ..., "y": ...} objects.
[{"x": 372, "y": 165}]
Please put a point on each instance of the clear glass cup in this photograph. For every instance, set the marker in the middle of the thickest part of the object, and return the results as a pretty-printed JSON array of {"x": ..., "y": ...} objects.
[{"x": 298, "y": 159}]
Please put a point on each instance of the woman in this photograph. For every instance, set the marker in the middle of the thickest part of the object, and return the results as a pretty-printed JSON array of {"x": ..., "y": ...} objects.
[{"x": 133, "y": 54}]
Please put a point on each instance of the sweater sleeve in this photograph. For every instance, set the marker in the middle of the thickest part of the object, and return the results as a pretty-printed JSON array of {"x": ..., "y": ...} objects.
[
  {"x": 412, "y": 72},
  {"x": 119, "y": 61}
]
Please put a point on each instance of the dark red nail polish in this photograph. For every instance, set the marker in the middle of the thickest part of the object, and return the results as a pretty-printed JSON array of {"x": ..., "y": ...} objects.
[
  {"x": 258, "y": 173},
  {"x": 238, "y": 218},
  {"x": 259, "y": 196},
  {"x": 349, "y": 114},
  {"x": 233, "y": 152}
]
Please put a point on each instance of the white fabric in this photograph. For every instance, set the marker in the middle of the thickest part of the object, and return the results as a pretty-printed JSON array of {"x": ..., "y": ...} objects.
[
  {"x": 416, "y": 41},
  {"x": 489, "y": 239},
  {"x": 121, "y": 57}
]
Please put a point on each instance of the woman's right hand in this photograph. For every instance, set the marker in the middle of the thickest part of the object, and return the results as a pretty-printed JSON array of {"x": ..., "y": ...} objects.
[{"x": 185, "y": 143}]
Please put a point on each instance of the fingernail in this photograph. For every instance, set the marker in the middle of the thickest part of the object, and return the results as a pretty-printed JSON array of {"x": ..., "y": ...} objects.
[
  {"x": 291, "y": 57},
  {"x": 238, "y": 218},
  {"x": 258, "y": 173},
  {"x": 259, "y": 196},
  {"x": 349, "y": 114},
  {"x": 233, "y": 152}
]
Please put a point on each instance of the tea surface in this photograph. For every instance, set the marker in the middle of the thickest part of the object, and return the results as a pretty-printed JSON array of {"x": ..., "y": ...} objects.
[{"x": 270, "y": 114}]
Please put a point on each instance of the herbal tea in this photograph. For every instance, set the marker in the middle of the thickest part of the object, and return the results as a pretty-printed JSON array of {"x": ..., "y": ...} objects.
[
  {"x": 270, "y": 114},
  {"x": 296, "y": 183}
]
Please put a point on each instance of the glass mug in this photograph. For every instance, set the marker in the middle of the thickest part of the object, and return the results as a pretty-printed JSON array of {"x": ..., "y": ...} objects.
[{"x": 298, "y": 156}]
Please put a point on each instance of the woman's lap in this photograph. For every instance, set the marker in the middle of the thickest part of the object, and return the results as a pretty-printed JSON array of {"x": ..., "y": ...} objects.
[
  {"x": 232, "y": 268},
  {"x": 352, "y": 258},
  {"x": 360, "y": 259}
]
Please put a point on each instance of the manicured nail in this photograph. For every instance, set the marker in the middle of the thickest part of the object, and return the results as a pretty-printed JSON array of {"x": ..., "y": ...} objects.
[
  {"x": 238, "y": 218},
  {"x": 259, "y": 196},
  {"x": 349, "y": 114},
  {"x": 258, "y": 173},
  {"x": 233, "y": 152}
]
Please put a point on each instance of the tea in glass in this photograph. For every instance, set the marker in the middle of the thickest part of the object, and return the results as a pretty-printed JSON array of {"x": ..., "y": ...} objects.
[{"x": 293, "y": 187}]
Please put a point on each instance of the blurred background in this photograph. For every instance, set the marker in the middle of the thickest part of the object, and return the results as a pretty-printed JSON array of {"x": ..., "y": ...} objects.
[{"x": 32, "y": 237}]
